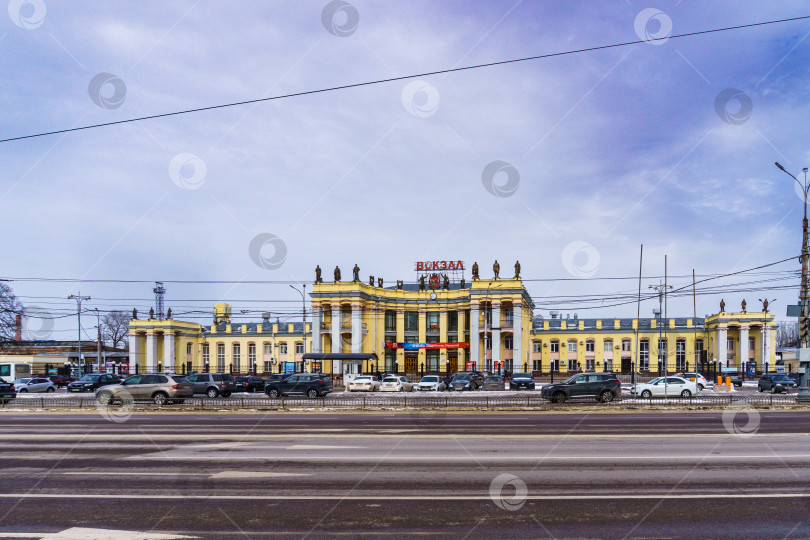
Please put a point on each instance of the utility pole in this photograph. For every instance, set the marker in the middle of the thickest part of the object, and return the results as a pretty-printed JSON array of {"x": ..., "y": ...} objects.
[
  {"x": 79, "y": 299},
  {"x": 804, "y": 313},
  {"x": 98, "y": 351},
  {"x": 661, "y": 288}
]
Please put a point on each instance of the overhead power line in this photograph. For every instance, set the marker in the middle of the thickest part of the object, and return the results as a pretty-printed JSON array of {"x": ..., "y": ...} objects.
[{"x": 404, "y": 77}]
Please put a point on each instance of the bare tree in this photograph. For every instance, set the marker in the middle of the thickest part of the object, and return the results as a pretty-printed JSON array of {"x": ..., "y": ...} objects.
[
  {"x": 787, "y": 335},
  {"x": 115, "y": 327},
  {"x": 10, "y": 307}
]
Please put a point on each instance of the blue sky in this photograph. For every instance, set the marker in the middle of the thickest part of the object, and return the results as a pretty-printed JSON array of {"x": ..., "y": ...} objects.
[{"x": 613, "y": 148}]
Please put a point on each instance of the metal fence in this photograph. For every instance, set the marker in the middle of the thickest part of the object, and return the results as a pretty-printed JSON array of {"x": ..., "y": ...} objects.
[{"x": 376, "y": 402}]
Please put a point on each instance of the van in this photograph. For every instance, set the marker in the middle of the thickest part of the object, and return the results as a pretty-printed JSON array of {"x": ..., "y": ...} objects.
[{"x": 11, "y": 371}]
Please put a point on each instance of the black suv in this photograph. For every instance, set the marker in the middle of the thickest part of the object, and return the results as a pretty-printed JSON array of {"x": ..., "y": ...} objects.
[
  {"x": 249, "y": 383},
  {"x": 213, "y": 384},
  {"x": 312, "y": 385},
  {"x": 7, "y": 392},
  {"x": 604, "y": 387},
  {"x": 93, "y": 381},
  {"x": 775, "y": 382}
]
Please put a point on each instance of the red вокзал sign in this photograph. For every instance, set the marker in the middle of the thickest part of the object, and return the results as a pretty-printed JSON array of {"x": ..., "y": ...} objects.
[{"x": 428, "y": 266}]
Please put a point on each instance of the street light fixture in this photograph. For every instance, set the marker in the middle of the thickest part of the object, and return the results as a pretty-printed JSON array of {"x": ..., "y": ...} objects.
[{"x": 804, "y": 391}]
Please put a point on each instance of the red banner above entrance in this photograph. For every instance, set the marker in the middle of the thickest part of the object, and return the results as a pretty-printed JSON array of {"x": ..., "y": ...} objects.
[{"x": 412, "y": 346}]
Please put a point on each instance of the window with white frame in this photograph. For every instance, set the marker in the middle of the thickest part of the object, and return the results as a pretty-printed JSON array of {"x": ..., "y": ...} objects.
[
  {"x": 644, "y": 355},
  {"x": 237, "y": 357},
  {"x": 589, "y": 364},
  {"x": 751, "y": 344},
  {"x": 268, "y": 349},
  {"x": 608, "y": 345},
  {"x": 590, "y": 345},
  {"x": 537, "y": 346},
  {"x": 730, "y": 344},
  {"x": 507, "y": 343},
  {"x": 205, "y": 354},
  {"x": 252, "y": 354},
  {"x": 268, "y": 366},
  {"x": 680, "y": 355},
  {"x": 627, "y": 345},
  {"x": 508, "y": 317},
  {"x": 282, "y": 348},
  {"x": 572, "y": 346},
  {"x": 299, "y": 348},
  {"x": 537, "y": 365},
  {"x": 220, "y": 357},
  {"x": 554, "y": 346}
]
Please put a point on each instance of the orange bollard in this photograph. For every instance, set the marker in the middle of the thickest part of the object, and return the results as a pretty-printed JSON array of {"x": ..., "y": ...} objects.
[
  {"x": 719, "y": 380},
  {"x": 728, "y": 382}
]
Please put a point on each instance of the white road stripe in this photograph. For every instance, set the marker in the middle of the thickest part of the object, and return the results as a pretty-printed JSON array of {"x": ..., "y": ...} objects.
[
  {"x": 84, "y": 533},
  {"x": 380, "y": 435},
  {"x": 221, "y": 474},
  {"x": 645, "y": 496}
]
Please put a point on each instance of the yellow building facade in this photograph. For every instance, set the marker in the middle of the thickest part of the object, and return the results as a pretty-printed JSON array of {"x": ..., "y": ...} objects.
[{"x": 439, "y": 326}]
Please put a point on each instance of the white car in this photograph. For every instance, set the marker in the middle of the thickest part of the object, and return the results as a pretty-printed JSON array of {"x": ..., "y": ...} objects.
[
  {"x": 364, "y": 383},
  {"x": 666, "y": 386},
  {"x": 396, "y": 383},
  {"x": 432, "y": 383},
  {"x": 34, "y": 384},
  {"x": 701, "y": 381}
]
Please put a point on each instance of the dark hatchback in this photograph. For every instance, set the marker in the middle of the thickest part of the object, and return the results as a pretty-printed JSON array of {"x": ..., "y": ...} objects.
[
  {"x": 93, "y": 381},
  {"x": 775, "y": 382},
  {"x": 7, "y": 392},
  {"x": 522, "y": 381},
  {"x": 249, "y": 383},
  {"x": 312, "y": 385},
  {"x": 605, "y": 387}
]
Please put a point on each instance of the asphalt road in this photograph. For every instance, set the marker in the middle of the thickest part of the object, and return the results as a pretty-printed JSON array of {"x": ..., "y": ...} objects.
[{"x": 732, "y": 474}]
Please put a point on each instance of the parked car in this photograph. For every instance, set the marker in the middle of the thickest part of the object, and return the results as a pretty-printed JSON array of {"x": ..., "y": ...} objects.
[
  {"x": 161, "y": 388},
  {"x": 431, "y": 383},
  {"x": 666, "y": 387},
  {"x": 476, "y": 376},
  {"x": 463, "y": 381},
  {"x": 34, "y": 384},
  {"x": 604, "y": 387},
  {"x": 93, "y": 381},
  {"x": 396, "y": 383},
  {"x": 276, "y": 377},
  {"x": 364, "y": 383},
  {"x": 7, "y": 392},
  {"x": 213, "y": 384},
  {"x": 312, "y": 385},
  {"x": 735, "y": 375},
  {"x": 775, "y": 382},
  {"x": 249, "y": 383},
  {"x": 60, "y": 380},
  {"x": 702, "y": 382},
  {"x": 522, "y": 381},
  {"x": 493, "y": 382}
]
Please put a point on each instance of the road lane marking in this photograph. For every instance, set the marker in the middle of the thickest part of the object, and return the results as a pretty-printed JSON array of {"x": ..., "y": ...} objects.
[
  {"x": 487, "y": 497},
  {"x": 221, "y": 474},
  {"x": 321, "y": 447},
  {"x": 255, "y": 474},
  {"x": 372, "y": 435},
  {"x": 84, "y": 533}
]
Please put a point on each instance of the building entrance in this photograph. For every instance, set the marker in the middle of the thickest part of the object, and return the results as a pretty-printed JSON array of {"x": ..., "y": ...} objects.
[{"x": 411, "y": 363}]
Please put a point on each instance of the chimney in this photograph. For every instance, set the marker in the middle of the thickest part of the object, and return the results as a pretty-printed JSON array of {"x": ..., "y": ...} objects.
[{"x": 18, "y": 328}]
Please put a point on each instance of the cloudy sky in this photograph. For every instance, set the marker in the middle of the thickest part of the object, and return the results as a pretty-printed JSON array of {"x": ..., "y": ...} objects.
[{"x": 568, "y": 163}]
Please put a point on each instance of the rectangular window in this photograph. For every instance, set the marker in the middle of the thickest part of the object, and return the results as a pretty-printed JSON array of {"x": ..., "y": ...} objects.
[
  {"x": 680, "y": 355},
  {"x": 555, "y": 346},
  {"x": 644, "y": 355},
  {"x": 299, "y": 348},
  {"x": 489, "y": 343},
  {"x": 730, "y": 344},
  {"x": 589, "y": 346},
  {"x": 237, "y": 357},
  {"x": 390, "y": 360},
  {"x": 572, "y": 346},
  {"x": 507, "y": 343},
  {"x": 751, "y": 344},
  {"x": 282, "y": 348},
  {"x": 627, "y": 345},
  {"x": 508, "y": 317},
  {"x": 268, "y": 367},
  {"x": 589, "y": 364},
  {"x": 205, "y": 355},
  {"x": 390, "y": 320},
  {"x": 433, "y": 360},
  {"x": 537, "y": 365},
  {"x": 537, "y": 346},
  {"x": 698, "y": 346},
  {"x": 252, "y": 355},
  {"x": 662, "y": 352},
  {"x": 467, "y": 320},
  {"x": 452, "y": 321},
  {"x": 220, "y": 357},
  {"x": 188, "y": 349},
  {"x": 268, "y": 349},
  {"x": 411, "y": 321},
  {"x": 608, "y": 345},
  {"x": 433, "y": 321}
]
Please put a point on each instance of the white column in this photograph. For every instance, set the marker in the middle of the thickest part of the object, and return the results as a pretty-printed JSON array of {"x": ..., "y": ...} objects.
[
  {"x": 316, "y": 328},
  {"x": 763, "y": 360},
  {"x": 722, "y": 351},
  {"x": 134, "y": 352},
  {"x": 336, "y": 322},
  {"x": 475, "y": 338},
  {"x": 517, "y": 339},
  {"x": 766, "y": 339},
  {"x": 151, "y": 352},
  {"x": 357, "y": 328},
  {"x": 496, "y": 333},
  {"x": 743, "y": 348},
  {"x": 169, "y": 356}
]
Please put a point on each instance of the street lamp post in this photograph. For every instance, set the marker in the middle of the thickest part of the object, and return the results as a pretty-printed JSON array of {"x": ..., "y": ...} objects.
[{"x": 804, "y": 391}]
